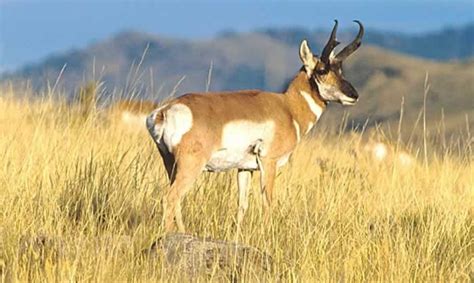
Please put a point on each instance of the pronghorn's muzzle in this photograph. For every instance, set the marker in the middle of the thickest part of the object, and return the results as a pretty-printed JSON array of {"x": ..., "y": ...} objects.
[{"x": 350, "y": 94}]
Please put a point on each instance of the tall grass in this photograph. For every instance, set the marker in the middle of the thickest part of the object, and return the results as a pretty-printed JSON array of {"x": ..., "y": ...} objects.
[{"x": 80, "y": 201}]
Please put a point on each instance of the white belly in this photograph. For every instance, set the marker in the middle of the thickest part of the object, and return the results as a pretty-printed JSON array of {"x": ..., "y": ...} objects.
[
  {"x": 226, "y": 159},
  {"x": 238, "y": 142}
]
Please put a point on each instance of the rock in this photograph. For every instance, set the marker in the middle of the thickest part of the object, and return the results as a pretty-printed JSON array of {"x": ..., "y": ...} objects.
[{"x": 192, "y": 257}]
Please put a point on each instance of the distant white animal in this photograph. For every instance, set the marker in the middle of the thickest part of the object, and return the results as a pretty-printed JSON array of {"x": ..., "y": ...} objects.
[
  {"x": 131, "y": 113},
  {"x": 384, "y": 153}
]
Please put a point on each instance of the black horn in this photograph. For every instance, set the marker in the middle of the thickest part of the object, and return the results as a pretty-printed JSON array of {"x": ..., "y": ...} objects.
[
  {"x": 330, "y": 45},
  {"x": 349, "y": 49}
]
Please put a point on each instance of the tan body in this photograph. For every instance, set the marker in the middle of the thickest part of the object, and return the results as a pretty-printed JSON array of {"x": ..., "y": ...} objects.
[{"x": 246, "y": 130}]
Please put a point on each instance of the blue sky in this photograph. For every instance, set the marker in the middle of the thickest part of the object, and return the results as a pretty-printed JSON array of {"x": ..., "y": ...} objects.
[{"x": 33, "y": 29}]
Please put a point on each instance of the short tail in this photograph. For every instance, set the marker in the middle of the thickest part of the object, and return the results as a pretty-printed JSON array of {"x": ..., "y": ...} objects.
[{"x": 155, "y": 124}]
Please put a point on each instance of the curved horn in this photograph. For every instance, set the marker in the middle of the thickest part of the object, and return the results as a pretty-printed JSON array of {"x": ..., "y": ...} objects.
[
  {"x": 332, "y": 42},
  {"x": 349, "y": 49}
]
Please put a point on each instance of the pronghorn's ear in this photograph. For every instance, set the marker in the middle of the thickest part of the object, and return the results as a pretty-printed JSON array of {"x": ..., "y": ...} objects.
[{"x": 307, "y": 57}]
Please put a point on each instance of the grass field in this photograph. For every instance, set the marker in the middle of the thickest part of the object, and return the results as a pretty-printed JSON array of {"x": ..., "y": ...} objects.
[{"x": 80, "y": 201}]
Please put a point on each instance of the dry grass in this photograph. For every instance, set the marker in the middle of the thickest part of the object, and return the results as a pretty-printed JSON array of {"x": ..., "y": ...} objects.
[{"x": 80, "y": 201}]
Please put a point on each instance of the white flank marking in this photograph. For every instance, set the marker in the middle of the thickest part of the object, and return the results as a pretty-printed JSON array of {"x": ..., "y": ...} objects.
[
  {"x": 242, "y": 134},
  {"x": 178, "y": 121},
  {"x": 313, "y": 106},
  {"x": 237, "y": 145},
  {"x": 297, "y": 130}
]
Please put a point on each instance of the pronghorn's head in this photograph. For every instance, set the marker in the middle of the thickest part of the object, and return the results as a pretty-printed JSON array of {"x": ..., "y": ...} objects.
[{"x": 325, "y": 72}]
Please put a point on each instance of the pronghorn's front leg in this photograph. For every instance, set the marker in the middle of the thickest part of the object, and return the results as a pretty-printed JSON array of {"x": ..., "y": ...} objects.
[
  {"x": 243, "y": 182},
  {"x": 267, "y": 183}
]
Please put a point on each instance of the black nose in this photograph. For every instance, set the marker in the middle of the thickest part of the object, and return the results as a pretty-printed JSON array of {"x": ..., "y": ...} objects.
[{"x": 349, "y": 90}]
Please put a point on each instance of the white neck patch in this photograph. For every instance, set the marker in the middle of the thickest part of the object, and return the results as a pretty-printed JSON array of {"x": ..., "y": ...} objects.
[
  {"x": 297, "y": 131},
  {"x": 313, "y": 106},
  {"x": 310, "y": 126}
]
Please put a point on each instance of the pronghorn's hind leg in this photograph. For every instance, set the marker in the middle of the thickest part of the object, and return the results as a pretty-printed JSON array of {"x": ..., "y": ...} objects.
[{"x": 185, "y": 172}]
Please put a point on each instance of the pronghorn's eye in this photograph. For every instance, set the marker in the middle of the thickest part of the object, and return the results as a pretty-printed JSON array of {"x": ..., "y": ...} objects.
[{"x": 321, "y": 71}]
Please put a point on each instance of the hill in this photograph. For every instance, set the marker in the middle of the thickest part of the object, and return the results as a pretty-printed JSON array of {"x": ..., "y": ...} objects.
[{"x": 149, "y": 66}]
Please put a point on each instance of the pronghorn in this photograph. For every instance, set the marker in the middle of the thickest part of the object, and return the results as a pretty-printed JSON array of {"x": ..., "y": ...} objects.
[{"x": 247, "y": 130}]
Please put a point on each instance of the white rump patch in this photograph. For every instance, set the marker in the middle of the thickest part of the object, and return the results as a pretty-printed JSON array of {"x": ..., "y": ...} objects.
[
  {"x": 178, "y": 120},
  {"x": 313, "y": 106},
  {"x": 238, "y": 142}
]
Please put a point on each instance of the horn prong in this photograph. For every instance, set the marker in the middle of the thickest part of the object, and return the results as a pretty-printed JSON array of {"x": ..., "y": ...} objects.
[
  {"x": 351, "y": 47},
  {"x": 331, "y": 44}
]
